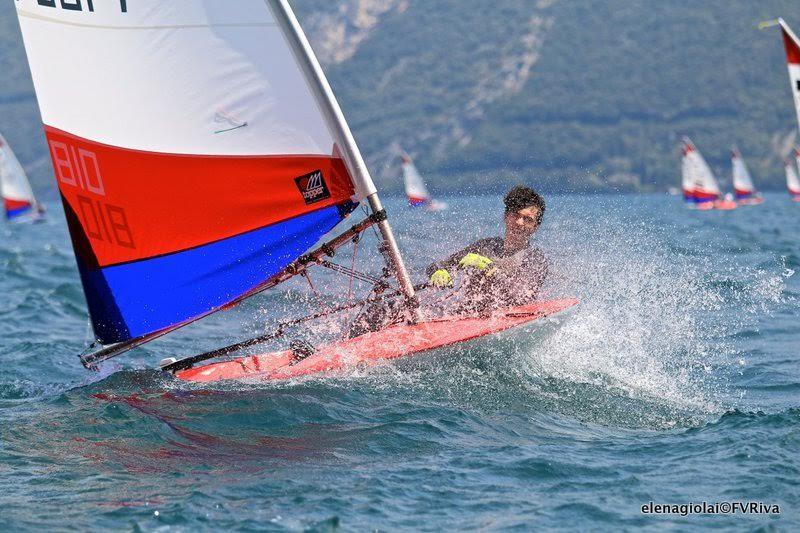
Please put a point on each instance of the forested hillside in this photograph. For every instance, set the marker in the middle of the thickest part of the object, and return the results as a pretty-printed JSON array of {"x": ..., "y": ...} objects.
[{"x": 573, "y": 96}]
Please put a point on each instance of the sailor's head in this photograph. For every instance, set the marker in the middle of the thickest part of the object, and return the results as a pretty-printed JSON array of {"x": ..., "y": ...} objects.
[{"x": 524, "y": 210}]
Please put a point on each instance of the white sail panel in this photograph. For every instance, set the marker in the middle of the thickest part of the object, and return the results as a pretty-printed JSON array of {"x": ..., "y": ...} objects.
[
  {"x": 742, "y": 181},
  {"x": 205, "y": 77}
]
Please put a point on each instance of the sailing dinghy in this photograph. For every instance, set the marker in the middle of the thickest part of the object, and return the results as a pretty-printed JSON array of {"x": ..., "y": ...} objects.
[
  {"x": 792, "y": 181},
  {"x": 18, "y": 200},
  {"x": 201, "y": 157},
  {"x": 416, "y": 191},
  {"x": 700, "y": 187},
  {"x": 743, "y": 187}
]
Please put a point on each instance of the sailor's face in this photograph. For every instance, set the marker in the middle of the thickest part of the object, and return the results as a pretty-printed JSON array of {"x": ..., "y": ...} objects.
[{"x": 523, "y": 222}]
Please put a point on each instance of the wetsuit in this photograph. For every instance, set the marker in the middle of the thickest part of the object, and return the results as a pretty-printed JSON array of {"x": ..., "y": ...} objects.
[
  {"x": 515, "y": 279},
  {"x": 512, "y": 279}
]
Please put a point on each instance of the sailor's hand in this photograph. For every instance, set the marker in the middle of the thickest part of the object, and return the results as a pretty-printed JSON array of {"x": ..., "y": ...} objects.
[
  {"x": 441, "y": 279},
  {"x": 478, "y": 262}
]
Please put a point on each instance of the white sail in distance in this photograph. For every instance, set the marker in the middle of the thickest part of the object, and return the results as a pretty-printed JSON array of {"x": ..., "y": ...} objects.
[
  {"x": 742, "y": 181},
  {"x": 416, "y": 191},
  {"x": 15, "y": 188},
  {"x": 697, "y": 175}
]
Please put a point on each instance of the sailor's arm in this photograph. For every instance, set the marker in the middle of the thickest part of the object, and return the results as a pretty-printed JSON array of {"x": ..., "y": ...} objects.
[{"x": 440, "y": 273}]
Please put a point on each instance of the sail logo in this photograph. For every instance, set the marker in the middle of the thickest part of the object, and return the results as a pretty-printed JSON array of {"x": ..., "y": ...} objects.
[
  {"x": 313, "y": 187},
  {"x": 77, "y": 5}
]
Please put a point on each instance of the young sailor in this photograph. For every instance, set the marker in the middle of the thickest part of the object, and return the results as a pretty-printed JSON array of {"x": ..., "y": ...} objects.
[
  {"x": 491, "y": 273},
  {"x": 504, "y": 271}
]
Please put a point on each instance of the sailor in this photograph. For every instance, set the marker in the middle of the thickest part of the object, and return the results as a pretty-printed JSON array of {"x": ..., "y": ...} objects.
[
  {"x": 492, "y": 273},
  {"x": 499, "y": 272}
]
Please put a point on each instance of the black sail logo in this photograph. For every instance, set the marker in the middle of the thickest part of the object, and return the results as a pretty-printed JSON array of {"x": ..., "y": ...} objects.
[
  {"x": 78, "y": 5},
  {"x": 313, "y": 187}
]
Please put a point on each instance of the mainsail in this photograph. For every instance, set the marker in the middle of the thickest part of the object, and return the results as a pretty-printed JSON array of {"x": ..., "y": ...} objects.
[
  {"x": 792, "y": 181},
  {"x": 198, "y": 150},
  {"x": 416, "y": 192},
  {"x": 18, "y": 199},
  {"x": 742, "y": 181},
  {"x": 699, "y": 183}
]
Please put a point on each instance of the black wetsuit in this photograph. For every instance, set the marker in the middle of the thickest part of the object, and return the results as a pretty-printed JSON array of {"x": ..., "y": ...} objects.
[{"x": 517, "y": 280}]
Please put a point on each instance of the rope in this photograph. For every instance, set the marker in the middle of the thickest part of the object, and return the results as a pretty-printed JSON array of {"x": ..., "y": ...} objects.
[{"x": 361, "y": 276}]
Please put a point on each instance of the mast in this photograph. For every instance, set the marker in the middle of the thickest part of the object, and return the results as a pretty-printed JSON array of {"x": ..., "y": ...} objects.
[{"x": 296, "y": 38}]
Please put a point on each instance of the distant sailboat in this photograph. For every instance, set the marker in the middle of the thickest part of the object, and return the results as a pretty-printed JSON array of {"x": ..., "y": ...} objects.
[
  {"x": 743, "y": 187},
  {"x": 700, "y": 187},
  {"x": 792, "y": 45},
  {"x": 416, "y": 191},
  {"x": 18, "y": 200},
  {"x": 792, "y": 181}
]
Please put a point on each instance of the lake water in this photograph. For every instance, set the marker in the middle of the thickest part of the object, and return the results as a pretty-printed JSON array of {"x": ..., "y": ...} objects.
[{"x": 676, "y": 380}]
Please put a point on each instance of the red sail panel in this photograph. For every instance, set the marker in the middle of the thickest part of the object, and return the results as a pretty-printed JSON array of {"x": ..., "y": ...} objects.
[
  {"x": 792, "y": 48},
  {"x": 158, "y": 204}
]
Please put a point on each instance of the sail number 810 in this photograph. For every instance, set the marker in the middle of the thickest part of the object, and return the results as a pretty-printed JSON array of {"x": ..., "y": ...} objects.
[{"x": 79, "y": 169}]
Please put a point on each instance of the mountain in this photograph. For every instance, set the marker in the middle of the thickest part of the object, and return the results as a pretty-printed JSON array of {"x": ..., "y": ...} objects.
[{"x": 569, "y": 96}]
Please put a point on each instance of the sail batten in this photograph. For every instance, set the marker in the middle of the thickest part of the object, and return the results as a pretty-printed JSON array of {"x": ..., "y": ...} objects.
[{"x": 197, "y": 153}]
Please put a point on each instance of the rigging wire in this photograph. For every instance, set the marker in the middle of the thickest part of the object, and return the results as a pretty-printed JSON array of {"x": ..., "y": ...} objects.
[{"x": 353, "y": 267}]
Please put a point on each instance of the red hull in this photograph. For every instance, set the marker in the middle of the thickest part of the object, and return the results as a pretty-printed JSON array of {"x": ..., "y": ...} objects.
[
  {"x": 390, "y": 343},
  {"x": 725, "y": 205},
  {"x": 757, "y": 200}
]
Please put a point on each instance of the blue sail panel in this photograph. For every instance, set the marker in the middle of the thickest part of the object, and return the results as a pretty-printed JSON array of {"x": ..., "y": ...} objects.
[{"x": 131, "y": 300}]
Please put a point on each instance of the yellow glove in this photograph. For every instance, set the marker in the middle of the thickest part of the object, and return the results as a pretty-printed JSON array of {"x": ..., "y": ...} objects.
[
  {"x": 480, "y": 262},
  {"x": 441, "y": 278}
]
